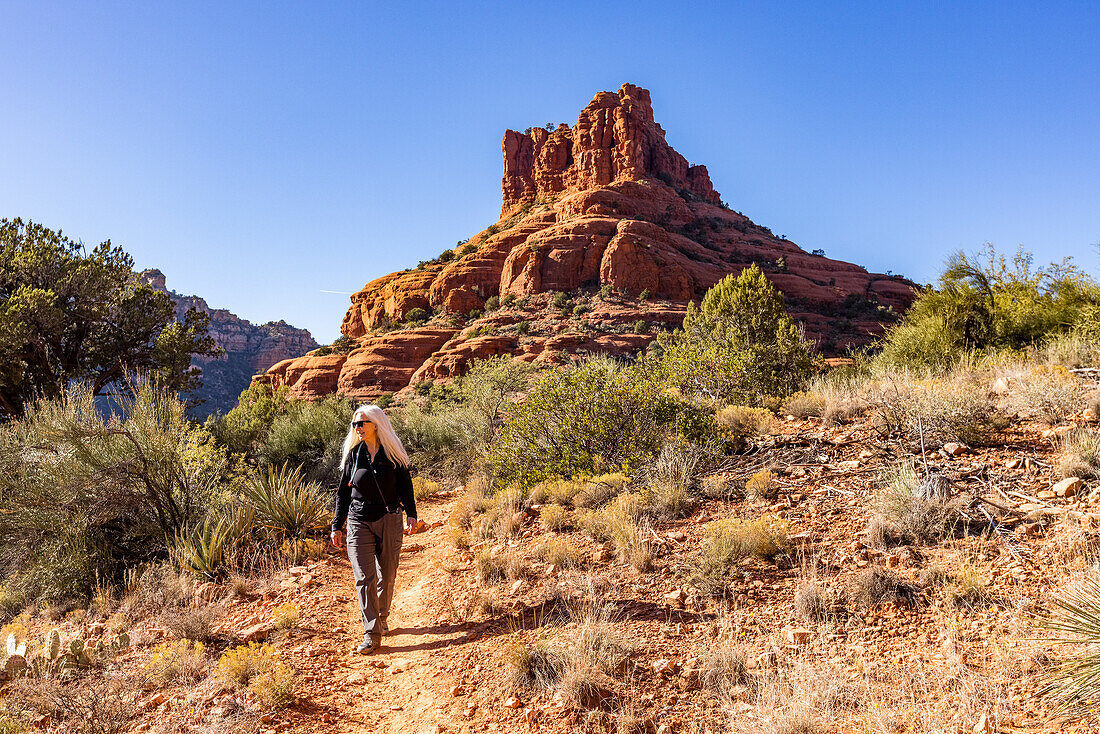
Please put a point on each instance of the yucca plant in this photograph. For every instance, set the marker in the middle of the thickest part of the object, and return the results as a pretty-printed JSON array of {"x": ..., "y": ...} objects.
[
  {"x": 1075, "y": 618},
  {"x": 285, "y": 503},
  {"x": 203, "y": 550}
]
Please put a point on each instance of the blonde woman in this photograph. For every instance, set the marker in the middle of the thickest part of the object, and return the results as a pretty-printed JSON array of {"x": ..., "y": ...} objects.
[{"x": 374, "y": 487}]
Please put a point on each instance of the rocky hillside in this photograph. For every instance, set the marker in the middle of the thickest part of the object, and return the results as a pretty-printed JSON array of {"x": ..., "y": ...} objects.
[
  {"x": 606, "y": 233},
  {"x": 249, "y": 349}
]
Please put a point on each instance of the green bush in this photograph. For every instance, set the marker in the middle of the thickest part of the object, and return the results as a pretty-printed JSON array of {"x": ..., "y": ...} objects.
[
  {"x": 985, "y": 302},
  {"x": 416, "y": 315},
  {"x": 310, "y": 435},
  {"x": 739, "y": 346},
  {"x": 442, "y": 444},
  {"x": 580, "y": 420},
  {"x": 492, "y": 303},
  {"x": 85, "y": 498}
]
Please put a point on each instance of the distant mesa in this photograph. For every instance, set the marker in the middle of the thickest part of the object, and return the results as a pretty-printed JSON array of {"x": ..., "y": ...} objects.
[
  {"x": 249, "y": 348},
  {"x": 603, "y": 207}
]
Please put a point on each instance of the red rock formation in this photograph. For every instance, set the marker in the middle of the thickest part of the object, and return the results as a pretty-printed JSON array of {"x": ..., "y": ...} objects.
[{"x": 605, "y": 203}]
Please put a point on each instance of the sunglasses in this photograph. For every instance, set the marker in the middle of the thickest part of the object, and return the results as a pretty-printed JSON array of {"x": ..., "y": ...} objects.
[{"x": 360, "y": 424}]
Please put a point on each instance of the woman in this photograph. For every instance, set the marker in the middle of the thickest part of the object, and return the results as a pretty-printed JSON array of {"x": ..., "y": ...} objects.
[{"x": 374, "y": 486}]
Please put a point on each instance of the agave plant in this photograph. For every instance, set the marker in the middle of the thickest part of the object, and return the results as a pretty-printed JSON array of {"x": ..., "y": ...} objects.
[
  {"x": 1075, "y": 618},
  {"x": 286, "y": 503},
  {"x": 204, "y": 549}
]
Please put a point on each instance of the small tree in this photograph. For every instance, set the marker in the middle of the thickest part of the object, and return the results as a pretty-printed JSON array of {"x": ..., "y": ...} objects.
[
  {"x": 67, "y": 314},
  {"x": 739, "y": 345}
]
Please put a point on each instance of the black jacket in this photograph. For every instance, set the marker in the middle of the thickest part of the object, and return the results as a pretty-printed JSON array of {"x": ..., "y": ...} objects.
[{"x": 371, "y": 489}]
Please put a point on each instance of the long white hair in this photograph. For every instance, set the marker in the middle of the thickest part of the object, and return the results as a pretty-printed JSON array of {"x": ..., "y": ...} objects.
[{"x": 386, "y": 436}]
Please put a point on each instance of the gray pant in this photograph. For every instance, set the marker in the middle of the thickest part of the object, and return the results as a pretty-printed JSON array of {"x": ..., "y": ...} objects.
[{"x": 374, "y": 549}]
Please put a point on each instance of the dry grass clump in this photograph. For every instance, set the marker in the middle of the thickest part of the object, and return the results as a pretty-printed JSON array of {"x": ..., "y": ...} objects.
[
  {"x": 191, "y": 623},
  {"x": 425, "y": 489},
  {"x": 741, "y": 420},
  {"x": 805, "y": 404},
  {"x": 720, "y": 487},
  {"x": 725, "y": 666},
  {"x": 1080, "y": 456},
  {"x": 580, "y": 661},
  {"x": 763, "y": 485},
  {"x": 559, "y": 552},
  {"x": 557, "y": 491},
  {"x": 965, "y": 588},
  {"x": 932, "y": 411},
  {"x": 492, "y": 568},
  {"x": 630, "y": 535},
  {"x": 803, "y": 699},
  {"x": 598, "y": 491},
  {"x": 534, "y": 665},
  {"x": 912, "y": 509},
  {"x": 727, "y": 541},
  {"x": 554, "y": 518},
  {"x": 877, "y": 585},
  {"x": 286, "y": 616},
  {"x": 181, "y": 661},
  {"x": 810, "y": 603},
  {"x": 1050, "y": 393}
]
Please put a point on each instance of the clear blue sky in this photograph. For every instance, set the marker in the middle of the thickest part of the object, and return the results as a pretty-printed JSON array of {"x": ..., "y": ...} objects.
[{"x": 261, "y": 153}]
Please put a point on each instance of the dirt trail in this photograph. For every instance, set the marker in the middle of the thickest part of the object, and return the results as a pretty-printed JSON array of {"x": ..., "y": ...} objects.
[{"x": 406, "y": 686}]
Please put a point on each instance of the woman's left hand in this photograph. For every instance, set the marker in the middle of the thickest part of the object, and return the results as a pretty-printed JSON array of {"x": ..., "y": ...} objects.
[{"x": 410, "y": 525}]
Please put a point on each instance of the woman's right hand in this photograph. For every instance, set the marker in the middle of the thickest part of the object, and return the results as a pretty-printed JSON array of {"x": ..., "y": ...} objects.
[{"x": 337, "y": 538}]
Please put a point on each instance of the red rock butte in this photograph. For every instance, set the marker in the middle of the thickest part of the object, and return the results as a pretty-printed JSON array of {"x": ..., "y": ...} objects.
[{"x": 606, "y": 233}]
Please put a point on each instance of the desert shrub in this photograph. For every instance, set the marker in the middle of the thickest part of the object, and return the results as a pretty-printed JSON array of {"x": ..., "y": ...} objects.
[
  {"x": 1050, "y": 393},
  {"x": 310, "y": 435},
  {"x": 491, "y": 385},
  {"x": 762, "y": 484},
  {"x": 523, "y": 327},
  {"x": 967, "y": 588},
  {"x": 912, "y": 509},
  {"x": 579, "y": 420},
  {"x": 191, "y": 623},
  {"x": 727, "y": 541},
  {"x": 559, "y": 552},
  {"x": 742, "y": 420},
  {"x": 205, "y": 549},
  {"x": 416, "y": 315},
  {"x": 554, "y": 518},
  {"x": 492, "y": 303},
  {"x": 425, "y": 488},
  {"x": 86, "y": 497},
  {"x": 244, "y": 428},
  {"x": 934, "y": 411},
  {"x": 597, "y": 491},
  {"x": 640, "y": 327},
  {"x": 739, "y": 345},
  {"x": 984, "y": 302},
  {"x": 443, "y": 443},
  {"x": 877, "y": 585},
  {"x": 805, "y": 404},
  {"x": 1080, "y": 455},
  {"x": 286, "y": 616},
  {"x": 258, "y": 667},
  {"x": 559, "y": 300},
  {"x": 181, "y": 661}
]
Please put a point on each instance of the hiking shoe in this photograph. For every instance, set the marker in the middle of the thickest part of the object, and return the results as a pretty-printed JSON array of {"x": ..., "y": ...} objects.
[{"x": 366, "y": 647}]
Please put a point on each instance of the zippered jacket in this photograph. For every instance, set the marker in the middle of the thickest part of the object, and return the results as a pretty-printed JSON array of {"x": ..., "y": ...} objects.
[{"x": 369, "y": 489}]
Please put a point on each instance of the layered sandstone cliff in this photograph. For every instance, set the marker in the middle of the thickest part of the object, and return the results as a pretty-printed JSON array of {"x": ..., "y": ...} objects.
[
  {"x": 249, "y": 348},
  {"x": 608, "y": 214}
]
